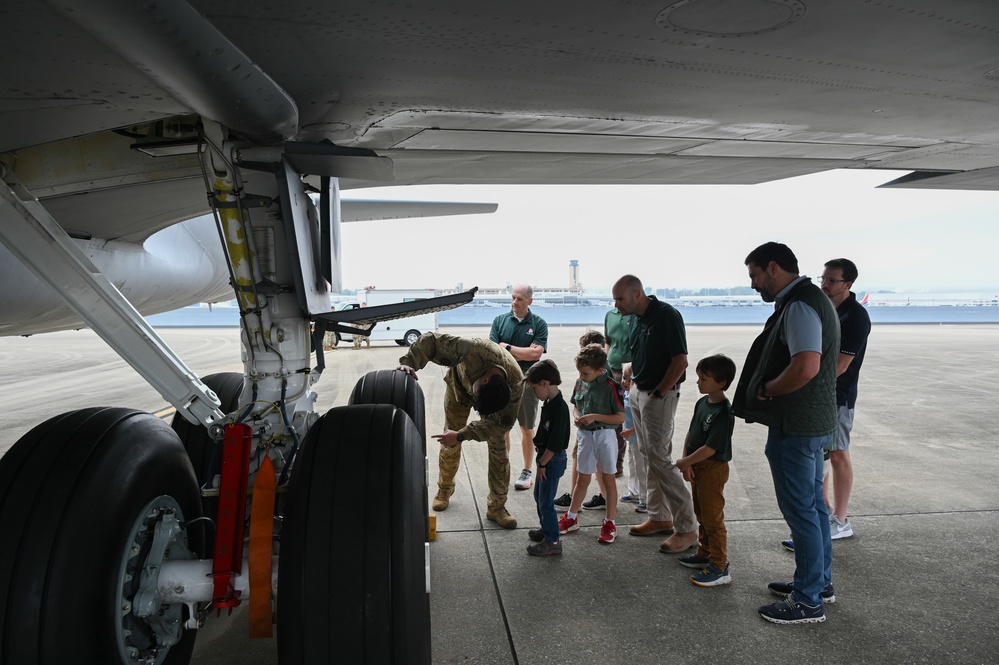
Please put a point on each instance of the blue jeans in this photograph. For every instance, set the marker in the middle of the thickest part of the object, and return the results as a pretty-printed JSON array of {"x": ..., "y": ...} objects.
[
  {"x": 544, "y": 496},
  {"x": 796, "y": 466}
]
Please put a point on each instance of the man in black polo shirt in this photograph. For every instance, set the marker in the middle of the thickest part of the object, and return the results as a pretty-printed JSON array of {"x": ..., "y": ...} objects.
[
  {"x": 525, "y": 336},
  {"x": 658, "y": 362}
]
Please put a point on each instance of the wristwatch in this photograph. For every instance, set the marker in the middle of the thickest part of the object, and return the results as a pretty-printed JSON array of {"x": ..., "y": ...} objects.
[
  {"x": 658, "y": 395},
  {"x": 460, "y": 437},
  {"x": 508, "y": 348}
]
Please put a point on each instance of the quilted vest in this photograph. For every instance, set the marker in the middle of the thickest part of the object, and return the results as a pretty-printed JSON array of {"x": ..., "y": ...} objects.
[{"x": 810, "y": 410}]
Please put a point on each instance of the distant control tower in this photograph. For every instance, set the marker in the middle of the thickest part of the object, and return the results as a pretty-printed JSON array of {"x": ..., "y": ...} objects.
[{"x": 573, "y": 275}]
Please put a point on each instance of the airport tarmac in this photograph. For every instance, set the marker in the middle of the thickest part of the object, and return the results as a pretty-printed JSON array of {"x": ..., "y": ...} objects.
[{"x": 917, "y": 584}]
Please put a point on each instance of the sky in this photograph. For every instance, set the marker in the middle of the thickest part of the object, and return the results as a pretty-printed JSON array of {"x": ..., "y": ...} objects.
[{"x": 681, "y": 236}]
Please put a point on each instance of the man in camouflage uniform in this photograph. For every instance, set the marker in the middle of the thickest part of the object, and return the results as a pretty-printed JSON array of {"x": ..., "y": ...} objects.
[{"x": 477, "y": 369}]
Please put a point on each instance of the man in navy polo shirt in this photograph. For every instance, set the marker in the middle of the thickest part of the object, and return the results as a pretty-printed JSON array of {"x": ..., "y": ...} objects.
[
  {"x": 855, "y": 326},
  {"x": 524, "y": 335}
]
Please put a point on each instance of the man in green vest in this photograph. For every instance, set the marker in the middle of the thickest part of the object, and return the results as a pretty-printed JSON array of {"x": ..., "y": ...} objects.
[{"x": 788, "y": 383}]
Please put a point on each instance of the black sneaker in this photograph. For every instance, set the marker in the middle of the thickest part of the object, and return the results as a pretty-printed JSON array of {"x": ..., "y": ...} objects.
[
  {"x": 537, "y": 535},
  {"x": 596, "y": 502},
  {"x": 791, "y": 611},
  {"x": 784, "y": 589},
  {"x": 544, "y": 548},
  {"x": 564, "y": 501},
  {"x": 694, "y": 561}
]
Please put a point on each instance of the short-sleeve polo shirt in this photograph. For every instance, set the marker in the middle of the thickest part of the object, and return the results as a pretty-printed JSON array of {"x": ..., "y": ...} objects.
[{"x": 657, "y": 336}]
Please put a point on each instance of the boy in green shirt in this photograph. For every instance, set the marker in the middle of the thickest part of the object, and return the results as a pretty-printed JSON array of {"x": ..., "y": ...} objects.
[
  {"x": 598, "y": 410},
  {"x": 707, "y": 451}
]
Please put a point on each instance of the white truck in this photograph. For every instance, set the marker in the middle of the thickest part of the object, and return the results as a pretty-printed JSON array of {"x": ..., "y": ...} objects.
[{"x": 403, "y": 331}]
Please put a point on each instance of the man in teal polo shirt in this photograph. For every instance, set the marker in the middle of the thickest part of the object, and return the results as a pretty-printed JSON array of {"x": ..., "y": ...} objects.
[
  {"x": 524, "y": 335},
  {"x": 658, "y": 362},
  {"x": 617, "y": 331}
]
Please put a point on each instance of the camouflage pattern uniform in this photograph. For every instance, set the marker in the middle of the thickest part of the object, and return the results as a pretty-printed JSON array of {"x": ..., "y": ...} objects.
[{"x": 467, "y": 360}]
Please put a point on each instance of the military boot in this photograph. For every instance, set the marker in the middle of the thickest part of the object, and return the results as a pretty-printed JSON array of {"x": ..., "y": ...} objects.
[
  {"x": 442, "y": 499},
  {"x": 502, "y": 517}
]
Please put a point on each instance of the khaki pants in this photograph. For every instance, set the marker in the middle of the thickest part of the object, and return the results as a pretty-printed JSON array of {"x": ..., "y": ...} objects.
[
  {"x": 708, "y": 491},
  {"x": 668, "y": 498},
  {"x": 456, "y": 417}
]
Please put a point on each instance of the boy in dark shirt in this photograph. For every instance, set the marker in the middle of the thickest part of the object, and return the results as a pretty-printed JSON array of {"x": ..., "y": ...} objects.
[
  {"x": 706, "y": 454},
  {"x": 550, "y": 442}
]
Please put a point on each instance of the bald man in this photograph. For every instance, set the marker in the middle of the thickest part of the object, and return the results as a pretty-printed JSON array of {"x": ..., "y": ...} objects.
[{"x": 524, "y": 335}]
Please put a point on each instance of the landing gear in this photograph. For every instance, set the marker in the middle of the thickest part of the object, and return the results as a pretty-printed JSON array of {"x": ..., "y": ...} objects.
[
  {"x": 91, "y": 503},
  {"x": 205, "y": 452},
  {"x": 352, "y": 576},
  {"x": 201, "y": 448}
]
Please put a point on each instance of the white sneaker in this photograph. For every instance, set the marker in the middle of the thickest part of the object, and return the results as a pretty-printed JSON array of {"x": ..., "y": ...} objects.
[
  {"x": 839, "y": 529},
  {"x": 524, "y": 482}
]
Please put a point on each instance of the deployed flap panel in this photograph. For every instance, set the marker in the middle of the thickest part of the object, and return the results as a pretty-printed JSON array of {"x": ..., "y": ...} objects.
[
  {"x": 365, "y": 210},
  {"x": 983, "y": 180},
  {"x": 367, "y": 317}
]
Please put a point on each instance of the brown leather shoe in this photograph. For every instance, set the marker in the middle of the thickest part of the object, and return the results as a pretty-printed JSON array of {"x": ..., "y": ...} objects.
[
  {"x": 678, "y": 542},
  {"x": 651, "y": 528}
]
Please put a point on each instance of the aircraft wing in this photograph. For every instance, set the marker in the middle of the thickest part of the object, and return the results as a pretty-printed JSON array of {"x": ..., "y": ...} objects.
[{"x": 687, "y": 92}]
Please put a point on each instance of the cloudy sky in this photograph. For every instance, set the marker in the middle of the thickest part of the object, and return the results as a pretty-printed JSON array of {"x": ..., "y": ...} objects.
[{"x": 682, "y": 236}]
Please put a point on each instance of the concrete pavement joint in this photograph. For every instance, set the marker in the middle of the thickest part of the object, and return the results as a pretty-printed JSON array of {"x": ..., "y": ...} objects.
[{"x": 492, "y": 569}]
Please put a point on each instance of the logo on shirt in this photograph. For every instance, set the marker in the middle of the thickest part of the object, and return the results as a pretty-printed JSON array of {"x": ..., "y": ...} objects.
[
  {"x": 530, "y": 331},
  {"x": 708, "y": 421},
  {"x": 546, "y": 425}
]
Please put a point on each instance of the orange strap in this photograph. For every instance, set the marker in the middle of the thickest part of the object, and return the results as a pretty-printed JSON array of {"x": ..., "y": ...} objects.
[{"x": 261, "y": 549}]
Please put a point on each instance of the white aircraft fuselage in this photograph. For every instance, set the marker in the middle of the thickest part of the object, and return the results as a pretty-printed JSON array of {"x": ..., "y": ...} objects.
[{"x": 120, "y": 121}]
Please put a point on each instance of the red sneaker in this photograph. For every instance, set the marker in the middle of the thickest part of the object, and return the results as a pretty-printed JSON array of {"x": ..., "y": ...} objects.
[
  {"x": 565, "y": 525},
  {"x": 607, "y": 533}
]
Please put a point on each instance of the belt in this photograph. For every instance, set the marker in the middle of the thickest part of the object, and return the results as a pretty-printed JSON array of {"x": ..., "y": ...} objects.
[{"x": 674, "y": 387}]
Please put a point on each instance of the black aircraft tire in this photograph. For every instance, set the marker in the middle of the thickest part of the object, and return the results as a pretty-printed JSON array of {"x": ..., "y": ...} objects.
[
  {"x": 352, "y": 585},
  {"x": 205, "y": 452},
  {"x": 390, "y": 386},
  {"x": 71, "y": 491}
]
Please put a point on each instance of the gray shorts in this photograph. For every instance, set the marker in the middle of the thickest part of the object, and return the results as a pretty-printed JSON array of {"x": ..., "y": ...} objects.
[
  {"x": 528, "y": 414},
  {"x": 844, "y": 424},
  {"x": 597, "y": 449}
]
